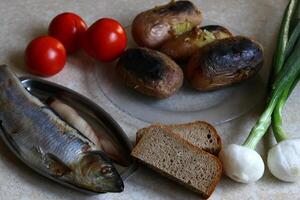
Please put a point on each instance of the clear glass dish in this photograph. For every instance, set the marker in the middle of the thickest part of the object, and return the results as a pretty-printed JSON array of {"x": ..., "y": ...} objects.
[{"x": 186, "y": 105}]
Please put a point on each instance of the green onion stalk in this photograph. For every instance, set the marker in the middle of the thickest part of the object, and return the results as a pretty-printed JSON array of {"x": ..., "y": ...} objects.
[
  {"x": 241, "y": 162},
  {"x": 279, "y": 133},
  {"x": 283, "y": 38},
  {"x": 283, "y": 158}
]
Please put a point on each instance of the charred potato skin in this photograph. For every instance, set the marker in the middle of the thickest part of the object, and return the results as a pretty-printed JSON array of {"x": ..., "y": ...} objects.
[
  {"x": 224, "y": 62},
  {"x": 153, "y": 27},
  {"x": 149, "y": 72},
  {"x": 184, "y": 46}
]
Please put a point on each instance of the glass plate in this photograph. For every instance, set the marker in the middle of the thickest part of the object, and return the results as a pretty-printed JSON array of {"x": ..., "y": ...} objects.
[{"x": 186, "y": 105}]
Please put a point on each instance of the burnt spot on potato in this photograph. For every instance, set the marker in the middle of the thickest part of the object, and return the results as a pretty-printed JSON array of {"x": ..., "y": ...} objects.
[
  {"x": 224, "y": 62},
  {"x": 149, "y": 72},
  {"x": 232, "y": 54},
  {"x": 176, "y": 7},
  {"x": 143, "y": 64}
]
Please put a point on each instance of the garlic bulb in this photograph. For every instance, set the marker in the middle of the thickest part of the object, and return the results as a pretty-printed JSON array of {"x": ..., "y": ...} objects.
[
  {"x": 284, "y": 160},
  {"x": 242, "y": 164}
]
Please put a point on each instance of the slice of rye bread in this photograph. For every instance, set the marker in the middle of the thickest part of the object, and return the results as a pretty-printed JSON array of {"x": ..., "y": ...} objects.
[
  {"x": 170, "y": 155},
  {"x": 199, "y": 133}
]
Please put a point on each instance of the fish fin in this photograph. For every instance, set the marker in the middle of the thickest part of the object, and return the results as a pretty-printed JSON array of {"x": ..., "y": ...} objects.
[{"x": 55, "y": 166}]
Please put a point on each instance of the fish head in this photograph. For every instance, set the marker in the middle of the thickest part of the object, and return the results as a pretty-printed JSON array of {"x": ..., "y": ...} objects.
[{"x": 99, "y": 173}]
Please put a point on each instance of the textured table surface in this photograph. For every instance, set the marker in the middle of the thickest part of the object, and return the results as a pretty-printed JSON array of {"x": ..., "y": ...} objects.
[{"x": 22, "y": 20}]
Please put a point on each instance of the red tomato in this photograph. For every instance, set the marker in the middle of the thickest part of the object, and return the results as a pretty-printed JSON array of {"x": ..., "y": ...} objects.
[
  {"x": 68, "y": 28},
  {"x": 105, "y": 40},
  {"x": 87, "y": 47},
  {"x": 45, "y": 56}
]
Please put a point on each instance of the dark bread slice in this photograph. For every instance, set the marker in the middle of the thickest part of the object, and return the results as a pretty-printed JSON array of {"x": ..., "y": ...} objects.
[
  {"x": 177, "y": 159},
  {"x": 199, "y": 133}
]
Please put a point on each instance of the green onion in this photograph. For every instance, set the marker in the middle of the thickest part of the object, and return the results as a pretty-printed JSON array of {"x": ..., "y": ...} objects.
[
  {"x": 283, "y": 158},
  {"x": 283, "y": 37},
  {"x": 287, "y": 75},
  {"x": 241, "y": 162},
  {"x": 279, "y": 133},
  {"x": 283, "y": 74},
  {"x": 292, "y": 40}
]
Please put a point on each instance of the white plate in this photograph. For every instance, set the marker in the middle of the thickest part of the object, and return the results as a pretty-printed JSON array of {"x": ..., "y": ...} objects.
[{"x": 186, "y": 105}]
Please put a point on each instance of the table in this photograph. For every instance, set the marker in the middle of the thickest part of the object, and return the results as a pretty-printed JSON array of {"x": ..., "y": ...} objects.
[{"x": 22, "y": 20}]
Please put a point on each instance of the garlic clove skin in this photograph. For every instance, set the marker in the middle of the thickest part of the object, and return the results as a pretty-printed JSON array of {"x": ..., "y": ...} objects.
[
  {"x": 284, "y": 160},
  {"x": 242, "y": 164}
]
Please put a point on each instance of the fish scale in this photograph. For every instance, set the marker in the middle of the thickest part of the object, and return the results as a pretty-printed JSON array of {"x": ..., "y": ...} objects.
[
  {"x": 39, "y": 119},
  {"x": 57, "y": 143},
  {"x": 46, "y": 143}
]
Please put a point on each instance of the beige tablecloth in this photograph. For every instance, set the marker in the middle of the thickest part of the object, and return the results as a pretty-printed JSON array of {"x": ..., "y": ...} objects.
[{"x": 22, "y": 20}]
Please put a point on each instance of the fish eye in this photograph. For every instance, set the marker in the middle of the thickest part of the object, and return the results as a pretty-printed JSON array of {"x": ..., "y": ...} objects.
[{"x": 106, "y": 170}]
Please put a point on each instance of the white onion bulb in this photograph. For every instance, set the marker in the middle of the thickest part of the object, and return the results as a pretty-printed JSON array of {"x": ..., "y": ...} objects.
[
  {"x": 284, "y": 160},
  {"x": 242, "y": 164}
]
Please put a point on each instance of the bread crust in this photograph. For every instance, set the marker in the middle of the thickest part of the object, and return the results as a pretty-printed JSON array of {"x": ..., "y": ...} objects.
[
  {"x": 214, "y": 134},
  {"x": 136, "y": 151}
]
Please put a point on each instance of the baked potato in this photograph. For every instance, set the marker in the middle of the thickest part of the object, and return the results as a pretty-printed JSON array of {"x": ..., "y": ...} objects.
[
  {"x": 224, "y": 62},
  {"x": 153, "y": 27},
  {"x": 149, "y": 72},
  {"x": 183, "y": 47}
]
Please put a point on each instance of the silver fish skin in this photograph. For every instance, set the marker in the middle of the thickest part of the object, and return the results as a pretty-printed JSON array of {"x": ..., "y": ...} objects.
[
  {"x": 101, "y": 141},
  {"x": 48, "y": 144}
]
